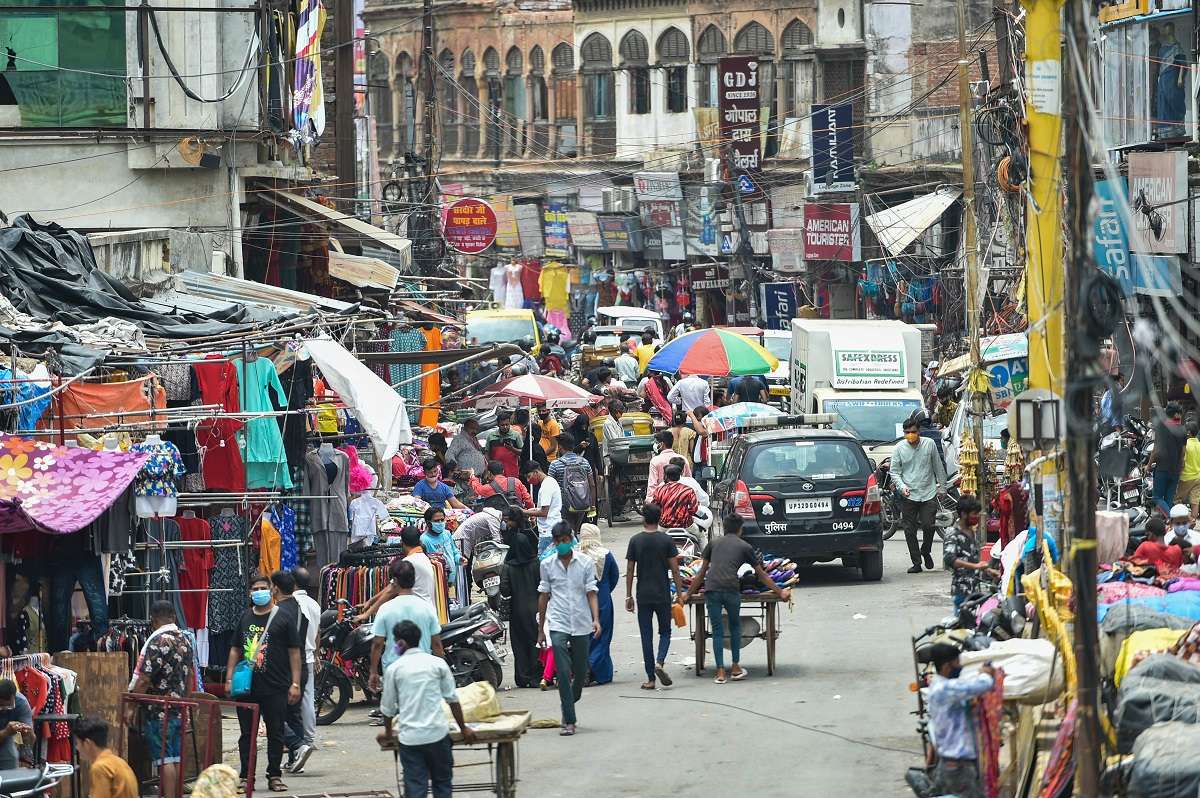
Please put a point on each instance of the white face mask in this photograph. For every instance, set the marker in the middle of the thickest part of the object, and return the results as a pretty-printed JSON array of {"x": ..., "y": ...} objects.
[{"x": 1181, "y": 529}]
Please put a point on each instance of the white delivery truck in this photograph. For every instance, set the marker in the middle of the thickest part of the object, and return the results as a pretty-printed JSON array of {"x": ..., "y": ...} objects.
[{"x": 867, "y": 374}]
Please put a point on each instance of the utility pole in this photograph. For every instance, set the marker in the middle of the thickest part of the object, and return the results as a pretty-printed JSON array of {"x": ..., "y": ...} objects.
[
  {"x": 743, "y": 254},
  {"x": 427, "y": 250},
  {"x": 1082, "y": 366},
  {"x": 971, "y": 249},
  {"x": 343, "y": 124}
]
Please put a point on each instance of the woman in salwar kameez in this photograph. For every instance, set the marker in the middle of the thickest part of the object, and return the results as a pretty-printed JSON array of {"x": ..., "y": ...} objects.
[
  {"x": 519, "y": 583},
  {"x": 608, "y": 574}
]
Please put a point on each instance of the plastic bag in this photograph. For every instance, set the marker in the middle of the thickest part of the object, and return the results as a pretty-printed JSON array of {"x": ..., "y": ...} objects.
[
  {"x": 1031, "y": 673},
  {"x": 679, "y": 615},
  {"x": 478, "y": 701},
  {"x": 1165, "y": 763}
]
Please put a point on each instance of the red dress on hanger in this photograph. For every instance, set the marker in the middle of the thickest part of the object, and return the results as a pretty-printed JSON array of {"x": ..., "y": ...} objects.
[
  {"x": 198, "y": 562},
  {"x": 221, "y": 460}
]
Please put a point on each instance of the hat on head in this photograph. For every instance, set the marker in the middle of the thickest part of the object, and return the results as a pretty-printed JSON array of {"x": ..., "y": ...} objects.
[{"x": 1180, "y": 511}]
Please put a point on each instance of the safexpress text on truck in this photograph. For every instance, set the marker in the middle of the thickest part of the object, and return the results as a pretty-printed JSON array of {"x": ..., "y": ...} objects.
[{"x": 866, "y": 373}]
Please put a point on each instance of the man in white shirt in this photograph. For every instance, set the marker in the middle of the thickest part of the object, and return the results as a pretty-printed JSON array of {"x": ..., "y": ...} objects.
[
  {"x": 691, "y": 392},
  {"x": 410, "y": 539},
  {"x": 549, "y": 504},
  {"x": 414, "y": 687},
  {"x": 690, "y": 481},
  {"x": 627, "y": 365},
  {"x": 1181, "y": 527},
  {"x": 301, "y": 741}
]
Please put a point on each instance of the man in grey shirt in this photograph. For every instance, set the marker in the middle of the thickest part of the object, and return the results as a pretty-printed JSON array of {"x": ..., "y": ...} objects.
[
  {"x": 15, "y": 718},
  {"x": 919, "y": 475}
]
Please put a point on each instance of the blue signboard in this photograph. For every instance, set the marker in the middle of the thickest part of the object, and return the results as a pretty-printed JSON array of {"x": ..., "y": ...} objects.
[
  {"x": 779, "y": 305},
  {"x": 833, "y": 148},
  {"x": 1110, "y": 240},
  {"x": 554, "y": 228},
  {"x": 1157, "y": 275}
]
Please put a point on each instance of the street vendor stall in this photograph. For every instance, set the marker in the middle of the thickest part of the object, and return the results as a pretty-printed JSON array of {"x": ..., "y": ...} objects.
[{"x": 764, "y": 614}]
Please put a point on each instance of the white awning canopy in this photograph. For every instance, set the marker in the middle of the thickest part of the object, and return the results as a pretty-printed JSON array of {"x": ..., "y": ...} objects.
[{"x": 896, "y": 228}]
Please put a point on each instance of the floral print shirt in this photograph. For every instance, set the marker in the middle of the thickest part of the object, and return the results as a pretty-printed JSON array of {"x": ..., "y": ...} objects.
[
  {"x": 166, "y": 664},
  {"x": 158, "y": 475}
]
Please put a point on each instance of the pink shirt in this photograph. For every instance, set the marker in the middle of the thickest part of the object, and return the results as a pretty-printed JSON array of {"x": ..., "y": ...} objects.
[{"x": 658, "y": 463}]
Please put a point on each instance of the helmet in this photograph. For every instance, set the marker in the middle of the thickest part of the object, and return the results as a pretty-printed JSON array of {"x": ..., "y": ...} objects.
[
  {"x": 527, "y": 343},
  {"x": 687, "y": 317},
  {"x": 920, "y": 416},
  {"x": 933, "y": 364},
  {"x": 552, "y": 336},
  {"x": 520, "y": 370}
]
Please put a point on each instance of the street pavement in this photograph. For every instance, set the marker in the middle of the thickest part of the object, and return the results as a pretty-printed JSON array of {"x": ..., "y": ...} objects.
[{"x": 834, "y": 719}]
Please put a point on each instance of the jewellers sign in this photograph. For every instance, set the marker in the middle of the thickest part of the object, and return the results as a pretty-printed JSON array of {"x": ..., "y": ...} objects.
[{"x": 831, "y": 232}]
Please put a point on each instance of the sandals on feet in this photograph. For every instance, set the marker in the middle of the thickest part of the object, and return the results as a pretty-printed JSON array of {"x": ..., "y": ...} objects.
[
  {"x": 742, "y": 674},
  {"x": 648, "y": 685},
  {"x": 719, "y": 680},
  {"x": 661, "y": 672},
  {"x": 276, "y": 785}
]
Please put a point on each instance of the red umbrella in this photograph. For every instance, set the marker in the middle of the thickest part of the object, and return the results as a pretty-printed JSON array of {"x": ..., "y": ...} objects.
[{"x": 534, "y": 389}]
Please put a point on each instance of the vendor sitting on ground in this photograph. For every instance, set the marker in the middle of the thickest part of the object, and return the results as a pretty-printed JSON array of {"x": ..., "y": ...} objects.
[
  {"x": 1183, "y": 531},
  {"x": 1154, "y": 551}
]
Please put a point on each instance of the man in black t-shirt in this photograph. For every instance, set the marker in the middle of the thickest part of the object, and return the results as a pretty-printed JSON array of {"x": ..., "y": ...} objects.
[
  {"x": 720, "y": 563},
  {"x": 271, "y": 634},
  {"x": 1166, "y": 462},
  {"x": 650, "y": 555}
]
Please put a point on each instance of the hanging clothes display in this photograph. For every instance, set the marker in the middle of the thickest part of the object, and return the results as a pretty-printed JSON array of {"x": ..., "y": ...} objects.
[
  {"x": 431, "y": 383},
  {"x": 110, "y": 402},
  {"x": 221, "y": 458},
  {"x": 268, "y": 546},
  {"x": 498, "y": 282},
  {"x": 283, "y": 518},
  {"x": 327, "y": 480},
  {"x": 165, "y": 559},
  {"x": 266, "y": 464},
  {"x": 225, "y": 606},
  {"x": 298, "y": 385},
  {"x": 155, "y": 489},
  {"x": 31, "y": 390},
  {"x": 408, "y": 339},
  {"x": 198, "y": 563},
  {"x": 531, "y": 273},
  {"x": 514, "y": 294}
]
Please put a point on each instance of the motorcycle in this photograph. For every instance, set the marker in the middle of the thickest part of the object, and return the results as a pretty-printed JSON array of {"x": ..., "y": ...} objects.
[
  {"x": 28, "y": 782},
  {"x": 469, "y": 642},
  {"x": 691, "y": 541},
  {"x": 344, "y": 653},
  {"x": 486, "y": 562}
]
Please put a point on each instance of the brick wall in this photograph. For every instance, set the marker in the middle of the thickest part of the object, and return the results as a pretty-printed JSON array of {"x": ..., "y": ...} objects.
[
  {"x": 325, "y": 155},
  {"x": 936, "y": 63}
]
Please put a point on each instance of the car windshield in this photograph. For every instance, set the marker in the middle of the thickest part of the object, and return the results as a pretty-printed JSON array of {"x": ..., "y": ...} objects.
[
  {"x": 872, "y": 420},
  {"x": 814, "y": 460},
  {"x": 780, "y": 346},
  {"x": 994, "y": 425},
  {"x": 498, "y": 331}
]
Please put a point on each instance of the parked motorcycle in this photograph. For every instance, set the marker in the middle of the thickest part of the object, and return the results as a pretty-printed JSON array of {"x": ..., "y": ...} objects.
[
  {"x": 486, "y": 563},
  {"x": 28, "y": 782},
  {"x": 344, "y": 653},
  {"x": 470, "y": 641}
]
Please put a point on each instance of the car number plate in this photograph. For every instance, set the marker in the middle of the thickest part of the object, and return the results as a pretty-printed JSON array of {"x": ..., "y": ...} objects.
[
  {"x": 815, "y": 505},
  {"x": 1131, "y": 494},
  {"x": 641, "y": 458},
  {"x": 491, "y": 581}
]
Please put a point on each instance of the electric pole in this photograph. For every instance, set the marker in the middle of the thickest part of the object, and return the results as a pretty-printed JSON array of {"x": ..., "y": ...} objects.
[
  {"x": 1082, "y": 366},
  {"x": 427, "y": 249},
  {"x": 970, "y": 247},
  {"x": 345, "y": 150}
]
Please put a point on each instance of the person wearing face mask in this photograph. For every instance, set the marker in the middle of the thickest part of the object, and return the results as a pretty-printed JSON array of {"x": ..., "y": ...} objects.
[
  {"x": 404, "y": 607},
  {"x": 433, "y": 491},
  {"x": 960, "y": 552},
  {"x": 919, "y": 474},
  {"x": 953, "y": 721},
  {"x": 1182, "y": 533},
  {"x": 664, "y": 442},
  {"x": 438, "y": 539},
  {"x": 519, "y": 584}
]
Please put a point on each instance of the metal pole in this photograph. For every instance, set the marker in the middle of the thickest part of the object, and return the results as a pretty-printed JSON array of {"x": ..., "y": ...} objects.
[
  {"x": 144, "y": 52},
  {"x": 343, "y": 89},
  {"x": 1081, "y": 470},
  {"x": 970, "y": 247}
]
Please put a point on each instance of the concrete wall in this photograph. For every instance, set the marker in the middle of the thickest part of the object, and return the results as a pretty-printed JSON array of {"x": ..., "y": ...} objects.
[{"x": 839, "y": 22}]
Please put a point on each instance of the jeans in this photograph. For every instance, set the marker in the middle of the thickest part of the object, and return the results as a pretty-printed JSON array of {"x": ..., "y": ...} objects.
[
  {"x": 730, "y": 602},
  {"x": 645, "y": 616},
  {"x": 957, "y": 777},
  {"x": 301, "y": 727},
  {"x": 85, "y": 570},
  {"x": 570, "y": 670},
  {"x": 1165, "y": 485},
  {"x": 425, "y": 763},
  {"x": 914, "y": 515},
  {"x": 273, "y": 710}
]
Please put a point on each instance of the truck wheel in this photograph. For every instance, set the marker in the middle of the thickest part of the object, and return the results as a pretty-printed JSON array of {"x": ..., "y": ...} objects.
[{"x": 870, "y": 564}]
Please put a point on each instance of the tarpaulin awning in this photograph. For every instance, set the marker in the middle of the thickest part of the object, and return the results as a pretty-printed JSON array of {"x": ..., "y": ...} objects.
[
  {"x": 898, "y": 227},
  {"x": 248, "y": 292},
  {"x": 59, "y": 489},
  {"x": 374, "y": 403},
  {"x": 314, "y": 211}
]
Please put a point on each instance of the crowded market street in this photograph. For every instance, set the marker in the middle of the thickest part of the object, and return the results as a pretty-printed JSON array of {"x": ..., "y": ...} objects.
[{"x": 838, "y": 674}]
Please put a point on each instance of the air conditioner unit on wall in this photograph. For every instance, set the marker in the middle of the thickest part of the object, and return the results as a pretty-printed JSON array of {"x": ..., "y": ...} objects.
[{"x": 618, "y": 200}]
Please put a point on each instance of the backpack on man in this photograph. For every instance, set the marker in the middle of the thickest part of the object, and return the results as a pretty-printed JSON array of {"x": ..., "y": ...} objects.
[{"x": 578, "y": 493}]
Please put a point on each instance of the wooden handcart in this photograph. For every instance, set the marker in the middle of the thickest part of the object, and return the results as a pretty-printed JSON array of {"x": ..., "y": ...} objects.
[
  {"x": 498, "y": 738},
  {"x": 766, "y": 605}
]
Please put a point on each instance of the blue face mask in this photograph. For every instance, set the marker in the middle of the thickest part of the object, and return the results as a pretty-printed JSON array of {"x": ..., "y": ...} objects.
[
  {"x": 438, "y": 527},
  {"x": 261, "y": 598},
  {"x": 400, "y": 649},
  {"x": 564, "y": 549}
]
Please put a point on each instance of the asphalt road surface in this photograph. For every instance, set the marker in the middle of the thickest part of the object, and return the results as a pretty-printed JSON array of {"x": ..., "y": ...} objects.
[{"x": 833, "y": 721}]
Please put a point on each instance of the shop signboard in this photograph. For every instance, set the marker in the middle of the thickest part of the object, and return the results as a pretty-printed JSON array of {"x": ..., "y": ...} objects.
[
  {"x": 1008, "y": 378},
  {"x": 585, "y": 233},
  {"x": 713, "y": 275},
  {"x": 554, "y": 228},
  {"x": 673, "y": 247},
  {"x": 738, "y": 101},
  {"x": 1110, "y": 240},
  {"x": 779, "y": 304},
  {"x": 506, "y": 222},
  {"x": 831, "y": 231},
  {"x": 620, "y": 233},
  {"x": 470, "y": 226},
  {"x": 787, "y": 249},
  {"x": 529, "y": 226},
  {"x": 1159, "y": 180},
  {"x": 657, "y": 186},
  {"x": 701, "y": 223},
  {"x": 1157, "y": 275},
  {"x": 833, "y": 148}
]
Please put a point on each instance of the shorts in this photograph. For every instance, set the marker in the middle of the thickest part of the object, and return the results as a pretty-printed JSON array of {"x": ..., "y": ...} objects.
[{"x": 152, "y": 730}]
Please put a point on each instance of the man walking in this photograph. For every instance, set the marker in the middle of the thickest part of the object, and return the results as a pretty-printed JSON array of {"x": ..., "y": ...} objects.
[
  {"x": 960, "y": 552},
  {"x": 1166, "y": 462},
  {"x": 650, "y": 555},
  {"x": 549, "y": 504},
  {"x": 300, "y": 734},
  {"x": 164, "y": 669},
  {"x": 576, "y": 480},
  {"x": 952, "y": 723},
  {"x": 568, "y": 607},
  {"x": 920, "y": 476},
  {"x": 414, "y": 687}
]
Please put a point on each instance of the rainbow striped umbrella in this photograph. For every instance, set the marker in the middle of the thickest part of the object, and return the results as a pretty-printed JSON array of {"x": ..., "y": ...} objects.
[{"x": 713, "y": 353}]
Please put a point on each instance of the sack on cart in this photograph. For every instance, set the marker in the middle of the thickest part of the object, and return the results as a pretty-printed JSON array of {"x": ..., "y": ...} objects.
[{"x": 1032, "y": 672}]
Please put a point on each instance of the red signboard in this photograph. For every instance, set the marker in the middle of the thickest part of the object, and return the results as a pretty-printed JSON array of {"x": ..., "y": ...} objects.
[
  {"x": 831, "y": 231},
  {"x": 470, "y": 226}
]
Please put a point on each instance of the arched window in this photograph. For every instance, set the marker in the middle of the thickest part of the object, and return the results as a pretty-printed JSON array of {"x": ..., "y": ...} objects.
[
  {"x": 495, "y": 94},
  {"x": 796, "y": 90},
  {"x": 448, "y": 100},
  {"x": 468, "y": 63},
  {"x": 635, "y": 58},
  {"x": 796, "y": 36},
  {"x": 379, "y": 90},
  {"x": 491, "y": 61},
  {"x": 470, "y": 99},
  {"x": 562, "y": 64},
  {"x": 596, "y": 55},
  {"x": 753, "y": 39},
  {"x": 710, "y": 49},
  {"x": 563, "y": 58},
  {"x": 673, "y": 53},
  {"x": 538, "y": 98},
  {"x": 515, "y": 109},
  {"x": 408, "y": 104}
]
